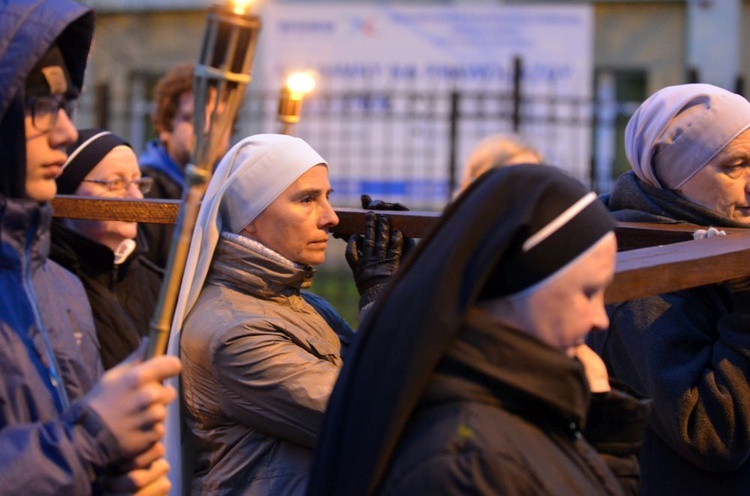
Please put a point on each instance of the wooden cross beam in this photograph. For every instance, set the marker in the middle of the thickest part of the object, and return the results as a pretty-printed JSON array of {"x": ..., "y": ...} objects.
[
  {"x": 351, "y": 220},
  {"x": 654, "y": 258}
]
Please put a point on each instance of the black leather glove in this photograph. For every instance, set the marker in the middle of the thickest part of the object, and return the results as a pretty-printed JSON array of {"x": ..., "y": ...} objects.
[
  {"x": 370, "y": 204},
  {"x": 374, "y": 257}
]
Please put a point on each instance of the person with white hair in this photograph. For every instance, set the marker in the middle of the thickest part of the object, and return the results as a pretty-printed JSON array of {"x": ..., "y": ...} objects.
[
  {"x": 260, "y": 359},
  {"x": 497, "y": 150},
  {"x": 689, "y": 148}
]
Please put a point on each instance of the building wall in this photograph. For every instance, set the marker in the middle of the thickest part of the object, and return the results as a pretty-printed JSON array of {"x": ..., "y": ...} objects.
[
  {"x": 647, "y": 36},
  {"x": 130, "y": 43},
  {"x": 128, "y": 46}
]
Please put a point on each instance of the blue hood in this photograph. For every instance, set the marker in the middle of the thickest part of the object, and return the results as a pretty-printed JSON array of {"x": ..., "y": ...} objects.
[{"x": 27, "y": 29}]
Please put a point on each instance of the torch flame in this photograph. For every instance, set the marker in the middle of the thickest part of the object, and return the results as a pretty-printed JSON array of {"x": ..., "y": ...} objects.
[
  {"x": 240, "y": 7},
  {"x": 300, "y": 83}
]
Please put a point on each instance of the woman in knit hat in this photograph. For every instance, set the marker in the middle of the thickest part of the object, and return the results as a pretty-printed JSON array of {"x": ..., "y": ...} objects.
[
  {"x": 122, "y": 286},
  {"x": 463, "y": 379},
  {"x": 689, "y": 148}
]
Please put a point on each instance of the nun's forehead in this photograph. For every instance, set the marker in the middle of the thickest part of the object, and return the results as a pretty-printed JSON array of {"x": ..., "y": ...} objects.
[{"x": 263, "y": 169}]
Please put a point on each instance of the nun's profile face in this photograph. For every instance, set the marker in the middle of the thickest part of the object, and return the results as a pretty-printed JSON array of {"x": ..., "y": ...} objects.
[
  {"x": 564, "y": 310},
  {"x": 723, "y": 185},
  {"x": 296, "y": 223}
]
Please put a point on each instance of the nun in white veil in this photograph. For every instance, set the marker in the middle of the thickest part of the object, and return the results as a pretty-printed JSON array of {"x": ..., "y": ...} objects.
[{"x": 248, "y": 179}]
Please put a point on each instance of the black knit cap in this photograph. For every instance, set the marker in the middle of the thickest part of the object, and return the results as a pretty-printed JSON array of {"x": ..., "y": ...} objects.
[
  {"x": 566, "y": 222},
  {"x": 83, "y": 155}
]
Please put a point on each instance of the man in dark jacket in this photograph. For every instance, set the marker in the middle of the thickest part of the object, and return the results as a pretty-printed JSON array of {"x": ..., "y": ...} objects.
[
  {"x": 166, "y": 156},
  {"x": 689, "y": 147},
  {"x": 61, "y": 431}
]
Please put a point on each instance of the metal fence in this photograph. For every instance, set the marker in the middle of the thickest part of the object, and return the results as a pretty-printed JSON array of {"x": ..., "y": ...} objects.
[{"x": 410, "y": 146}]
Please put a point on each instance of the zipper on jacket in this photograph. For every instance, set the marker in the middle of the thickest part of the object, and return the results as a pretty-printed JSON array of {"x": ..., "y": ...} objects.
[{"x": 53, "y": 375}]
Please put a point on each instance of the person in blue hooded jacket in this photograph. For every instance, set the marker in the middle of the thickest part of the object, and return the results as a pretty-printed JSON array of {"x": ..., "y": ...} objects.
[
  {"x": 166, "y": 156},
  {"x": 63, "y": 429}
]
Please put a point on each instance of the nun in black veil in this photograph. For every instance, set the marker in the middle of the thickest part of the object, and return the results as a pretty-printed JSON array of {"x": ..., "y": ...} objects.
[{"x": 471, "y": 376}]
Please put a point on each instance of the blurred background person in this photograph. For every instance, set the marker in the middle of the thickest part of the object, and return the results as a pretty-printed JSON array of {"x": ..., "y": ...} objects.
[
  {"x": 166, "y": 156},
  {"x": 497, "y": 150},
  {"x": 121, "y": 284}
]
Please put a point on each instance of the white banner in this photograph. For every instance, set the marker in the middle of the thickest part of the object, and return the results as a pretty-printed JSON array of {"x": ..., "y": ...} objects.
[{"x": 386, "y": 50}]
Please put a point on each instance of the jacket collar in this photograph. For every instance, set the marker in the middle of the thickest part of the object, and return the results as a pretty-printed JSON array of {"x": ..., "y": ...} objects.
[
  {"x": 496, "y": 364},
  {"x": 256, "y": 269},
  {"x": 633, "y": 200},
  {"x": 156, "y": 157},
  {"x": 24, "y": 230},
  {"x": 83, "y": 255}
]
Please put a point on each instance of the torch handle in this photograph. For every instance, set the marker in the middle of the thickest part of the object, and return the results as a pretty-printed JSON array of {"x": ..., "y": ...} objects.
[
  {"x": 159, "y": 328},
  {"x": 220, "y": 79}
]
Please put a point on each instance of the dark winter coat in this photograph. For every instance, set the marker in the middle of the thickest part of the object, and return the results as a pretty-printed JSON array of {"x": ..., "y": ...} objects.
[
  {"x": 123, "y": 296},
  {"x": 429, "y": 381},
  {"x": 690, "y": 352},
  {"x": 512, "y": 424},
  {"x": 156, "y": 163},
  {"x": 50, "y": 443}
]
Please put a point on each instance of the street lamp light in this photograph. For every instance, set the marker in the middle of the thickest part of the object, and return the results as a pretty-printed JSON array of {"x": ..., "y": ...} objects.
[{"x": 292, "y": 94}]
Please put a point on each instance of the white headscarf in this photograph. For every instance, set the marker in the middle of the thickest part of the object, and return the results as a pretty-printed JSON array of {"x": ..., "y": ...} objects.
[
  {"x": 679, "y": 129},
  {"x": 249, "y": 177}
]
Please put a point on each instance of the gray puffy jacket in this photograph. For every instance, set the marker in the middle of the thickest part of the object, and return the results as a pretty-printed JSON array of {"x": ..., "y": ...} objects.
[{"x": 259, "y": 364}]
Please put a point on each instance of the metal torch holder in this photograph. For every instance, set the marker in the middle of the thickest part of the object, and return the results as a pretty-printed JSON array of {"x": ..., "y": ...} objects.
[{"x": 221, "y": 76}]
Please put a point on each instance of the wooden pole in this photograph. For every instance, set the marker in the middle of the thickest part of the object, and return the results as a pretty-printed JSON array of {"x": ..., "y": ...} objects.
[{"x": 654, "y": 258}]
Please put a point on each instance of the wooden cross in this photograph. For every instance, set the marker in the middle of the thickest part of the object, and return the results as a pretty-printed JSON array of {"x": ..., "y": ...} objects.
[{"x": 653, "y": 258}]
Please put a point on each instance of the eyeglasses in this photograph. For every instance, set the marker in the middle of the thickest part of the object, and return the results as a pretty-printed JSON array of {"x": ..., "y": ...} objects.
[
  {"x": 120, "y": 184},
  {"x": 44, "y": 110}
]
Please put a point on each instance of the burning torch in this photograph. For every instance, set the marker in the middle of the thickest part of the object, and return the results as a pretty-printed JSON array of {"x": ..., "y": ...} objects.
[
  {"x": 292, "y": 94},
  {"x": 221, "y": 76}
]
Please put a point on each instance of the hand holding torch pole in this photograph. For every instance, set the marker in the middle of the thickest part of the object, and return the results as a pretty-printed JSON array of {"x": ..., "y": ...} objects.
[{"x": 221, "y": 76}]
